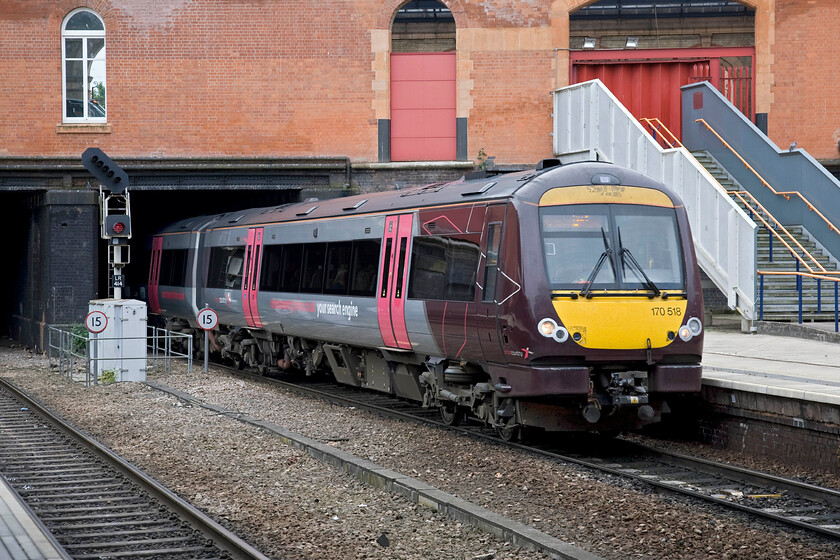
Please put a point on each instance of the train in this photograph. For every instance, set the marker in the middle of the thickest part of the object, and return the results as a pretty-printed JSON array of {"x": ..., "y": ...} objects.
[{"x": 564, "y": 298}]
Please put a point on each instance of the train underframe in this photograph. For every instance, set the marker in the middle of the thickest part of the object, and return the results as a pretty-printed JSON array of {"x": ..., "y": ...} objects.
[{"x": 617, "y": 400}]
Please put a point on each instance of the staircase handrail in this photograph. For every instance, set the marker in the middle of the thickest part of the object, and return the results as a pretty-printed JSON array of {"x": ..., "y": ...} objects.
[
  {"x": 793, "y": 168},
  {"x": 659, "y": 126},
  {"x": 740, "y": 195},
  {"x": 785, "y": 194},
  {"x": 799, "y": 275}
]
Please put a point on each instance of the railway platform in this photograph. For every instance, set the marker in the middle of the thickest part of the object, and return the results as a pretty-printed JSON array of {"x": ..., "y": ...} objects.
[
  {"x": 774, "y": 394},
  {"x": 786, "y": 366},
  {"x": 22, "y": 536}
]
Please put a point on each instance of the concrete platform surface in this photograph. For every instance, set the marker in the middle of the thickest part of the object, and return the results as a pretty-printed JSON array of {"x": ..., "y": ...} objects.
[
  {"x": 784, "y": 366},
  {"x": 22, "y": 536}
]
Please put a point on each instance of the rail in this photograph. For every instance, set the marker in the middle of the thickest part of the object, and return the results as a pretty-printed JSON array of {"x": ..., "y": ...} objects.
[
  {"x": 786, "y": 194},
  {"x": 799, "y": 288},
  {"x": 661, "y": 133}
]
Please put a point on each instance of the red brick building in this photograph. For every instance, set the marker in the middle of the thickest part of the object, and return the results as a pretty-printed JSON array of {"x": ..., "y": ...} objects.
[{"x": 214, "y": 104}]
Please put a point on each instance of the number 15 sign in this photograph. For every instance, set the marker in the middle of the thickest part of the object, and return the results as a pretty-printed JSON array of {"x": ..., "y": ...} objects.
[{"x": 207, "y": 319}]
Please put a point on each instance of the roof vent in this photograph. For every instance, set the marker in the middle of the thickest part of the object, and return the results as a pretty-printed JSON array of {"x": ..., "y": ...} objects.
[{"x": 548, "y": 163}]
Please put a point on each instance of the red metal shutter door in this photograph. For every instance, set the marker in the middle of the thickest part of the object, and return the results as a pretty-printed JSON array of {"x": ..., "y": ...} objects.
[{"x": 423, "y": 107}]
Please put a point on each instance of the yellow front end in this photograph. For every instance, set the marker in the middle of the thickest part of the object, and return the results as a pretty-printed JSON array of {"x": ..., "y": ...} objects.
[{"x": 621, "y": 323}]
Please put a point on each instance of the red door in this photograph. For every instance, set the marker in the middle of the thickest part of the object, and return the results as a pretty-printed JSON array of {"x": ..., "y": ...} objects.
[
  {"x": 396, "y": 251},
  {"x": 251, "y": 277},
  {"x": 154, "y": 274},
  {"x": 423, "y": 107}
]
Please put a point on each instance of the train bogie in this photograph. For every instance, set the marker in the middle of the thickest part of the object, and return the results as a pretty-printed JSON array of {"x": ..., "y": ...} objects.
[{"x": 562, "y": 299}]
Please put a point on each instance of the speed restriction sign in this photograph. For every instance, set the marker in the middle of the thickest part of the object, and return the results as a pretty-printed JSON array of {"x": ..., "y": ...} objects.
[
  {"x": 207, "y": 319},
  {"x": 96, "y": 321}
]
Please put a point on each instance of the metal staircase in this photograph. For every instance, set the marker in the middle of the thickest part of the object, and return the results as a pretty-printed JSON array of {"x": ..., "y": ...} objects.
[{"x": 782, "y": 249}]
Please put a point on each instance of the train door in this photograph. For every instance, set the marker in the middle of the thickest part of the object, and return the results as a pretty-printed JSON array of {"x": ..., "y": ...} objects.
[
  {"x": 487, "y": 322},
  {"x": 154, "y": 274},
  {"x": 251, "y": 277},
  {"x": 390, "y": 304}
]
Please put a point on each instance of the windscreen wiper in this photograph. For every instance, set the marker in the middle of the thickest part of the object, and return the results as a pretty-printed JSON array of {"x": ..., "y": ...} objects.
[
  {"x": 607, "y": 254},
  {"x": 626, "y": 253}
]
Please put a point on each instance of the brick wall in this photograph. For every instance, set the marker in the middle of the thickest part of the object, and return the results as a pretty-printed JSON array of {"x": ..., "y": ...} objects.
[
  {"x": 792, "y": 432},
  {"x": 191, "y": 78},
  {"x": 806, "y": 54},
  {"x": 299, "y": 78}
]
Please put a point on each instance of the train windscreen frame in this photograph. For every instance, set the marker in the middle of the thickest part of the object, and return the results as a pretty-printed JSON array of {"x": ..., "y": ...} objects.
[{"x": 612, "y": 247}]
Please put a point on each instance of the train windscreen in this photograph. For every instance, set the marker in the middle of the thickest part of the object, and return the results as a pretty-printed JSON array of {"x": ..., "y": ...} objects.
[{"x": 612, "y": 247}]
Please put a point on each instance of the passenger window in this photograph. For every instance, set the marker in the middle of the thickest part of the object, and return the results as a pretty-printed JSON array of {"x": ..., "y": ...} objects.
[
  {"x": 270, "y": 273},
  {"x": 338, "y": 268},
  {"x": 428, "y": 268},
  {"x": 365, "y": 261},
  {"x": 443, "y": 268},
  {"x": 290, "y": 268},
  {"x": 313, "y": 267},
  {"x": 225, "y": 269},
  {"x": 173, "y": 267}
]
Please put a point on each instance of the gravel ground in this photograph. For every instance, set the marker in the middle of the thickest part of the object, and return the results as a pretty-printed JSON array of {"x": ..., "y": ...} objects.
[{"x": 291, "y": 506}]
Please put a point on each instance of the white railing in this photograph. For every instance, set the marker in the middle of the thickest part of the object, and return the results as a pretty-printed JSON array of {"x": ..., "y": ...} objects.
[{"x": 591, "y": 124}]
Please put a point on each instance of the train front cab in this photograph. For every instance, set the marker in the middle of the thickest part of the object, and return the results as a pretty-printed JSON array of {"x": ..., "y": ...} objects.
[{"x": 614, "y": 305}]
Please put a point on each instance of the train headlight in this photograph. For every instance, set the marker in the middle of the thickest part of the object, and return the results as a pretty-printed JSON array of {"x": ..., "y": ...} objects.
[
  {"x": 561, "y": 334},
  {"x": 695, "y": 326},
  {"x": 547, "y": 327}
]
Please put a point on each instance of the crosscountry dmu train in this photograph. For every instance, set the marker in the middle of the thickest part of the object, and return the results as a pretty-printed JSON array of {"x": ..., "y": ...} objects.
[{"x": 566, "y": 298}]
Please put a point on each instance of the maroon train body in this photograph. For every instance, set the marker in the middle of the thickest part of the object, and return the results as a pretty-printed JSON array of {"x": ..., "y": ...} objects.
[{"x": 566, "y": 298}]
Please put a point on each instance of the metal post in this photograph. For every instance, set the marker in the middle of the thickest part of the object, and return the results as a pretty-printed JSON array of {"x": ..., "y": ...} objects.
[
  {"x": 835, "y": 309},
  {"x": 819, "y": 296},
  {"x": 206, "y": 344},
  {"x": 761, "y": 297},
  {"x": 117, "y": 269},
  {"x": 770, "y": 235},
  {"x": 93, "y": 363},
  {"x": 799, "y": 289}
]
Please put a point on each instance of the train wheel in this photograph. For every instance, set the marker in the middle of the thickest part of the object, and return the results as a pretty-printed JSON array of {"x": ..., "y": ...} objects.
[
  {"x": 508, "y": 432},
  {"x": 451, "y": 414},
  {"x": 238, "y": 362}
]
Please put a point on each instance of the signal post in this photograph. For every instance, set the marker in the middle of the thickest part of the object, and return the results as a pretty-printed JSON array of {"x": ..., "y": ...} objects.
[
  {"x": 121, "y": 346},
  {"x": 115, "y": 212}
]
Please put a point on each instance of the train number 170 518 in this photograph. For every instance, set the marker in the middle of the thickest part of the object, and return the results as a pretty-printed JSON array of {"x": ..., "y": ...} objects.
[{"x": 663, "y": 311}]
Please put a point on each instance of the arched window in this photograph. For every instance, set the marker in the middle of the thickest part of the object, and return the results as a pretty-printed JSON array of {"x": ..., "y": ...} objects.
[{"x": 83, "y": 68}]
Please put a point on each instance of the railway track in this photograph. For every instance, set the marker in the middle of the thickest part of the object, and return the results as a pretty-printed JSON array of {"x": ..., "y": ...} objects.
[
  {"x": 95, "y": 504},
  {"x": 786, "y": 501}
]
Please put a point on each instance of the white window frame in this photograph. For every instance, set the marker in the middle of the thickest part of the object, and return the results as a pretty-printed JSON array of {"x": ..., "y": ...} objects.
[{"x": 84, "y": 35}]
